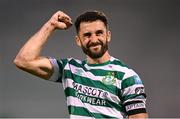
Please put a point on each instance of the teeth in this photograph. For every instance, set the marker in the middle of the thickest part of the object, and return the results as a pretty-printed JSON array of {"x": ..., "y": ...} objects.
[{"x": 94, "y": 46}]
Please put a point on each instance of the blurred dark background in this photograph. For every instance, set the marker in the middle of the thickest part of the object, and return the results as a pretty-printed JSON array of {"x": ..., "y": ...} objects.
[{"x": 145, "y": 35}]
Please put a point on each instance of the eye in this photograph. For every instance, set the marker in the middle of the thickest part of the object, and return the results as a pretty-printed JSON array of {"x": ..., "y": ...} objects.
[
  {"x": 87, "y": 34},
  {"x": 99, "y": 32}
]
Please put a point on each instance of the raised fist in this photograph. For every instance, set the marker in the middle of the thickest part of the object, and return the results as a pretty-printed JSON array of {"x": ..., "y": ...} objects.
[{"x": 60, "y": 20}]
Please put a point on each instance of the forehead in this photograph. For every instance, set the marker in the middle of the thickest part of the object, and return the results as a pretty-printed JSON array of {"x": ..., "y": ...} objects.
[{"x": 92, "y": 26}]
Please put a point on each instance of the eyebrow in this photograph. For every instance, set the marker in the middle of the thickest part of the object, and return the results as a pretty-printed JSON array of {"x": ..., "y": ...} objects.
[
  {"x": 99, "y": 31},
  {"x": 89, "y": 33}
]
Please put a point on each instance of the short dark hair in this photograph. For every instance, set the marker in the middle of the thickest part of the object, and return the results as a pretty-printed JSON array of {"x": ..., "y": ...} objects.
[{"x": 90, "y": 16}]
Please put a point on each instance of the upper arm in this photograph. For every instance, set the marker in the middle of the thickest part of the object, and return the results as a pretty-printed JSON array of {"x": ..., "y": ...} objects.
[
  {"x": 133, "y": 95},
  {"x": 40, "y": 67}
]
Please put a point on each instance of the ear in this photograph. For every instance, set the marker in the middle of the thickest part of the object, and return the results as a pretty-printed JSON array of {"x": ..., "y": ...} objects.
[
  {"x": 78, "y": 42},
  {"x": 109, "y": 36}
]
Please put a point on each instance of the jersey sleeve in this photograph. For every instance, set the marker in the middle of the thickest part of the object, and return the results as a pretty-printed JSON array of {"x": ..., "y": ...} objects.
[
  {"x": 133, "y": 94},
  {"x": 58, "y": 66}
]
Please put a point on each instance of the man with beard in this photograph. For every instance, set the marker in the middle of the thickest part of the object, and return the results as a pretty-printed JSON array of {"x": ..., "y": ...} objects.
[{"x": 100, "y": 86}]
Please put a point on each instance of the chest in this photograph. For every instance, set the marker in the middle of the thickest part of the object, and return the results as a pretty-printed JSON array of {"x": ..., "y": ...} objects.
[{"x": 99, "y": 83}]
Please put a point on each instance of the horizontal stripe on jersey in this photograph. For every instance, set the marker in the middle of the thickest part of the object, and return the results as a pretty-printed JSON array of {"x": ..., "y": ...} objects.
[
  {"x": 84, "y": 113},
  {"x": 100, "y": 110}
]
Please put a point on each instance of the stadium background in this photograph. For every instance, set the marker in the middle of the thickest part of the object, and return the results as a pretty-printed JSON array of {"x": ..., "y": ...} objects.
[{"x": 145, "y": 35}]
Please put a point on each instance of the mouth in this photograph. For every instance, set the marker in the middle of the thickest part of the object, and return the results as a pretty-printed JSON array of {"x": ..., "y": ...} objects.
[{"x": 95, "y": 47}]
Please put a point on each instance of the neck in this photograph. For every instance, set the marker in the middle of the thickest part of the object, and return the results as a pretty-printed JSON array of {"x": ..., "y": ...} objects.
[{"x": 106, "y": 57}]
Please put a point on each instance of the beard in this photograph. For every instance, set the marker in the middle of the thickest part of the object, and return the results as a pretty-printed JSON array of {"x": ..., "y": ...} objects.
[{"x": 95, "y": 54}]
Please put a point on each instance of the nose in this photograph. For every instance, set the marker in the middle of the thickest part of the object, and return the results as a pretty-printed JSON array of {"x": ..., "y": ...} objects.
[{"x": 94, "y": 38}]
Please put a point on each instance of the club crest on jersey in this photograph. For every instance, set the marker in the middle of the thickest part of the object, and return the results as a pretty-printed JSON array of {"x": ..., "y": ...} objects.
[{"x": 109, "y": 79}]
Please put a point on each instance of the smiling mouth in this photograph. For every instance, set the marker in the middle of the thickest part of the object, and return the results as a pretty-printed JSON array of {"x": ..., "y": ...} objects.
[
  {"x": 95, "y": 47},
  {"x": 94, "y": 44}
]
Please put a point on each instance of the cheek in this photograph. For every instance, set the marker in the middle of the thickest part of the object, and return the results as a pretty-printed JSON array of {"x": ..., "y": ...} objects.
[
  {"x": 103, "y": 37},
  {"x": 84, "y": 42}
]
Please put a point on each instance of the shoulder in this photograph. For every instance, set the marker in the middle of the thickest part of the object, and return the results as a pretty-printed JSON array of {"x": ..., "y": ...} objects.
[
  {"x": 121, "y": 66},
  {"x": 119, "y": 62}
]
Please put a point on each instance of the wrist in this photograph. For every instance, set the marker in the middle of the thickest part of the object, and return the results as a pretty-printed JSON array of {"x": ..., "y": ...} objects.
[{"x": 48, "y": 27}]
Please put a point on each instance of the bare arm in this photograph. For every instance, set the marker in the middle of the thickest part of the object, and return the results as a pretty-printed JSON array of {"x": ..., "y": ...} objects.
[
  {"x": 139, "y": 116},
  {"x": 29, "y": 59}
]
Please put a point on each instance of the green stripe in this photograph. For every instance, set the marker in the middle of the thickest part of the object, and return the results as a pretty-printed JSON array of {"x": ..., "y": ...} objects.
[
  {"x": 88, "y": 82},
  {"x": 72, "y": 92},
  {"x": 84, "y": 112},
  {"x": 75, "y": 63},
  {"x": 133, "y": 96},
  {"x": 129, "y": 96},
  {"x": 62, "y": 63},
  {"x": 101, "y": 64},
  {"x": 128, "y": 82}
]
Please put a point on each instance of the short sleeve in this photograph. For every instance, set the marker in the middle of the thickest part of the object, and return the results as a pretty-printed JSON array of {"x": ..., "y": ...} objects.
[
  {"x": 133, "y": 94},
  {"x": 58, "y": 70}
]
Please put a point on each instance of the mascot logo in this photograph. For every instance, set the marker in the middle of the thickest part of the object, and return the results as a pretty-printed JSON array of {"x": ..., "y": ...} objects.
[{"x": 109, "y": 79}]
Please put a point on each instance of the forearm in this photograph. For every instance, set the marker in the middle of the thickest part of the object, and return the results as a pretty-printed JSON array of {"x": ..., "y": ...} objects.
[{"x": 31, "y": 50}]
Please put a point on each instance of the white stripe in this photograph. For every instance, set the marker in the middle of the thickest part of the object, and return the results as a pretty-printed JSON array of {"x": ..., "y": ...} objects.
[
  {"x": 90, "y": 75},
  {"x": 71, "y": 58},
  {"x": 80, "y": 117},
  {"x": 72, "y": 101},
  {"x": 109, "y": 96},
  {"x": 131, "y": 89},
  {"x": 135, "y": 99},
  {"x": 54, "y": 77}
]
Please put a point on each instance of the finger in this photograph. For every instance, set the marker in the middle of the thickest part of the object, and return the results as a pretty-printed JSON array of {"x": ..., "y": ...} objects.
[
  {"x": 61, "y": 14},
  {"x": 62, "y": 17},
  {"x": 62, "y": 20},
  {"x": 66, "y": 20},
  {"x": 61, "y": 25},
  {"x": 65, "y": 16}
]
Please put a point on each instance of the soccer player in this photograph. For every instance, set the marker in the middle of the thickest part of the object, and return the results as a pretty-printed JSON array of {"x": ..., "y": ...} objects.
[{"x": 101, "y": 86}]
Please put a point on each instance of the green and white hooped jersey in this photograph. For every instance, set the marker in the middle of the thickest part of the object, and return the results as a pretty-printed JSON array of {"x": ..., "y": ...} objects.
[{"x": 107, "y": 90}]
